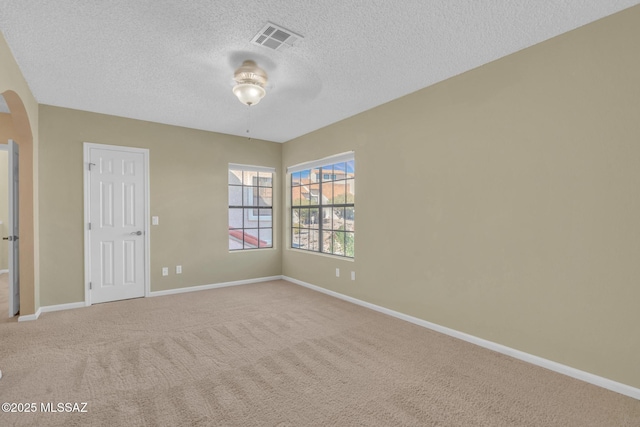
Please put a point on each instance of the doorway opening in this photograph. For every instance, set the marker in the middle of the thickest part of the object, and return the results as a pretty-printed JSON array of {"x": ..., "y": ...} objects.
[
  {"x": 9, "y": 245},
  {"x": 4, "y": 231}
]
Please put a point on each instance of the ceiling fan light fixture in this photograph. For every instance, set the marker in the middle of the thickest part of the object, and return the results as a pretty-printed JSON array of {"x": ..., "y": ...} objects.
[
  {"x": 249, "y": 94},
  {"x": 250, "y": 80}
]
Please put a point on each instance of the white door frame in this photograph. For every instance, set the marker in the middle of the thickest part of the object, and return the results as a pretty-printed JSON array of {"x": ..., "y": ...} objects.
[
  {"x": 12, "y": 209},
  {"x": 87, "y": 146}
]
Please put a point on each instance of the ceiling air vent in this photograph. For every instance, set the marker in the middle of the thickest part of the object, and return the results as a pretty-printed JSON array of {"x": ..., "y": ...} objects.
[{"x": 275, "y": 37}]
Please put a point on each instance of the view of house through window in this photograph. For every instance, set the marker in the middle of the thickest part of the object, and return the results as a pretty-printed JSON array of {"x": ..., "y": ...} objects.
[
  {"x": 322, "y": 206},
  {"x": 250, "y": 207}
]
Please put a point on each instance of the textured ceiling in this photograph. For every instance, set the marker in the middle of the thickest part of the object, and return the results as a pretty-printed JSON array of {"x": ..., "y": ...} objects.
[{"x": 172, "y": 61}]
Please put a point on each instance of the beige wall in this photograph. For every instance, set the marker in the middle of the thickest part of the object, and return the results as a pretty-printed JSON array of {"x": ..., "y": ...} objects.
[
  {"x": 188, "y": 186},
  {"x": 24, "y": 117},
  {"x": 505, "y": 202}
]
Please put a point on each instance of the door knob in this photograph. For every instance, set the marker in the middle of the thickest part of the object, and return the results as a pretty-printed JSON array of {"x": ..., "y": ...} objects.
[{"x": 136, "y": 233}]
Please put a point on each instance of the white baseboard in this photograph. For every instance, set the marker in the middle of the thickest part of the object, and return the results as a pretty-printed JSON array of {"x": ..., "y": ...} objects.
[
  {"x": 72, "y": 305},
  {"x": 213, "y": 286},
  {"x": 60, "y": 307},
  {"x": 28, "y": 317},
  {"x": 50, "y": 308},
  {"x": 625, "y": 389}
]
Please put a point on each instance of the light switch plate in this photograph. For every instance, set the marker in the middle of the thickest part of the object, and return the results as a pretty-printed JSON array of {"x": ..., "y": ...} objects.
[{"x": 154, "y": 220}]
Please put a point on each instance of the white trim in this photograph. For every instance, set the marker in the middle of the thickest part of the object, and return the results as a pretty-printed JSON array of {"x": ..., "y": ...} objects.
[
  {"x": 3, "y": 271},
  {"x": 587, "y": 377},
  {"x": 213, "y": 286},
  {"x": 50, "y": 308},
  {"x": 74, "y": 305},
  {"x": 342, "y": 157},
  {"x": 251, "y": 168},
  {"x": 27, "y": 317},
  {"x": 87, "y": 146},
  {"x": 61, "y": 307}
]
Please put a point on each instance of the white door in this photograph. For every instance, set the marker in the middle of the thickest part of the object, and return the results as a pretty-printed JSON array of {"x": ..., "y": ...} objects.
[
  {"x": 116, "y": 214},
  {"x": 14, "y": 265}
]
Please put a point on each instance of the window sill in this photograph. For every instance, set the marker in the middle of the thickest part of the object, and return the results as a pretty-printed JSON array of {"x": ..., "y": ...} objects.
[
  {"x": 322, "y": 254},
  {"x": 252, "y": 250}
]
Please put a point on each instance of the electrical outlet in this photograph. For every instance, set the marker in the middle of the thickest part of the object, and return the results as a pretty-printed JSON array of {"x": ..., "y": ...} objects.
[
  {"x": 353, "y": 275},
  {"x": 155, "y": 220},
  {"x": 165, "y": 271},
  {"x": 178, "y": 269},
  {"x": 337, "y": 272}
]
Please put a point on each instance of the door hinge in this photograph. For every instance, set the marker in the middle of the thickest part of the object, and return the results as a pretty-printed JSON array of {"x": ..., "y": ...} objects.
[
  {"x": 90, "y": 286},
  {"x": 89, "y": 226},
  {"x": 91, "y": 164}
]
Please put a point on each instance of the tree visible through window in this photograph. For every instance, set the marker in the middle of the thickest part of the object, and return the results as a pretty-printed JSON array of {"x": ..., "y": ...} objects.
[
  {"x": 250, "y": 207},
  {"x": 323, "y": 208}
]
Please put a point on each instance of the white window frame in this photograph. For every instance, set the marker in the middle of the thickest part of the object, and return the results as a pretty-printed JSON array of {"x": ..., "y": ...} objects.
[
  {"x": 251, "y": 215},
  {"x": 339, "y": 158}
]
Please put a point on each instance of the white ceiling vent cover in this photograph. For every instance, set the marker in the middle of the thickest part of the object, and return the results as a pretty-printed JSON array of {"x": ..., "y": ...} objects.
[{"x": 275, "y": 37}]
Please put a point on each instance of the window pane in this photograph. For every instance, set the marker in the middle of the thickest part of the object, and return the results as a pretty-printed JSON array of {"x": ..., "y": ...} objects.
[
  {"x": 338, "y": 242},
  {"x": 338, "y": 218},
  {"x": 339, "y": 169},
  {"x": 314, "y": 175},
  {"x": 250, "y": 238},
  {"x": 265, "y": 218},
  {"x": 350, "y": 191},
  {"x": 314, "y": 243},
  {"x": 304, "y": 217},
  {"x": 349, "y": 243},
  {"x": 235, "y": 218},
  {"x": 327, "y": 193},
  {"x": 325, "y": 214},
  {"x": 314, "y": 218},
  {"x": 250, "y": 196},
  {"x": 295, "y": 178},
  {"x": 266, "y": 197},
  {"x": 235, "y": 195},
  {"x": 349, "y": 219},
  {"x": 304, "y": 238},
  {"x": 235, "y": 240},
  {"x": 295, "y": 238},
  {"x": 351, "y": 168},
  {"x": 327, "y": 173},
  {"x": 314, "y": 194},
  {"x": 265, "y": 238},
  {"x": 295, "y": 218},
  {"x": 296, "y": 195},
  {"x": 235, "y": 177},
  {"x": 250, "y": 178},
  {"x": 338, "y": 192},
  {"x": 327, "y": 242},
  {"x": 265, "y": 179}
]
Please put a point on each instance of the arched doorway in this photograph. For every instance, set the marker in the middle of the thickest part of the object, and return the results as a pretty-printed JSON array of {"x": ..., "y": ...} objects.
[{"x": 15, "y": 125}]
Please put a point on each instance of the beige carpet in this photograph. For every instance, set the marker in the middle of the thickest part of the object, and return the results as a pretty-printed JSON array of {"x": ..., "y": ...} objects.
[{"x": 275, "y": 354}]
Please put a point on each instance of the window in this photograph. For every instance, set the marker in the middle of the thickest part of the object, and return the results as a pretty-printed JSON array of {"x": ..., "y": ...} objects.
[
  {"x": 250, "y": 207},
  {"x": 323, "y": 205}
]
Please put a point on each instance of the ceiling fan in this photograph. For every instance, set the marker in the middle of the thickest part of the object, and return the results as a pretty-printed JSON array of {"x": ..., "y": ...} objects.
[{"x": 250, "y": 82}]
